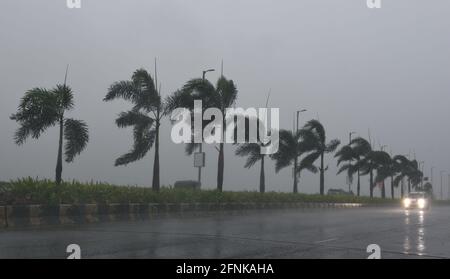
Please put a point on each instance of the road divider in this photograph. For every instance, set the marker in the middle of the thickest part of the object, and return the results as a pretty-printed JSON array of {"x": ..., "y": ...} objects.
[{"x": 39, "y": 215}]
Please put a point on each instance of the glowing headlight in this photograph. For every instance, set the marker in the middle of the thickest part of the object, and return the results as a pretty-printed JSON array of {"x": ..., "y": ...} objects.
[
  {"x": 406, "y": 202},
  {"x": 421, "y": 203}
]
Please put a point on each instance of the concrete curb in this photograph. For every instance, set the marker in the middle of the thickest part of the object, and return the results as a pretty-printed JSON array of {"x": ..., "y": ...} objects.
[{"x": 38, "y": 215}]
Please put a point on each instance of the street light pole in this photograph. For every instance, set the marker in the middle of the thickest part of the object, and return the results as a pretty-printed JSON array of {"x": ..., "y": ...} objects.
[
  {"x": 201, "y": 144},
  {"x": 442, "y": 197}
]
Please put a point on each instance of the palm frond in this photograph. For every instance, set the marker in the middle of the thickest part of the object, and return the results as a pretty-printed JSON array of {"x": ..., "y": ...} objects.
[
  {"x": 143, "y": 141},
  {"x": 64, "y": 97},
  {"x": 130, "y": 118},
  {"x": 126, "y": 90},
  {"x": 317, "y": 128},
  {"x": 252, "y": 150},
  {"x": 37, "y": 111},
  {"x": 346, "y": 153},
  {"x": 227, "y": 91},
  {"x": 77, "y": 136},
  {"x": 332, "y": 145},
  {"x": 308, "y": 161}
]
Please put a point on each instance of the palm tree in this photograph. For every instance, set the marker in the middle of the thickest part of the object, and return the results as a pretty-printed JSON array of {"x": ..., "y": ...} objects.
[
  {"x": 402, "y": 165},
  {"x": 222, "y": 96},
  {"x": 40, "y": 109},
  {"x": 145, "y": 117},
  {"x": 253, "y": 151},
  {"x": 291, "y": 147},
  {"x": 369, "y": 164},
  {"x": 314, "y": 137},
  {"x": 386, "y": 168},
  {"x": 355, "y": 151},
  {"x": 414, "y": 175}
]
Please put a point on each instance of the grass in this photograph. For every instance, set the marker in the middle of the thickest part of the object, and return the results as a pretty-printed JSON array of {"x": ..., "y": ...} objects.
[{"x": 33, "y": 191}]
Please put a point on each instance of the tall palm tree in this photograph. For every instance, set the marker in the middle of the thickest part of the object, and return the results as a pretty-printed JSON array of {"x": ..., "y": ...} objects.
[
  {"x": 414, "y": 175},
  {"x": 355, "y": 151},
  {"x": 145, "y": 117},
  {"x": 369, "y": 164},
  {"x": 221, "y": 96},
  {"x": 40, "y": 109},
  {"x": 402, "y": 165},
  {"x": 386, "y": 169},
  {"x": 291, "y": 147},
  {"x": 253, "y": 151},
  {"x": 316, "y": 145}
]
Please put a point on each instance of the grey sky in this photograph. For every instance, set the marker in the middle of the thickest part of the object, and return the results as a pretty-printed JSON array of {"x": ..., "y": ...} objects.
[{"x": 356, "y": 68}]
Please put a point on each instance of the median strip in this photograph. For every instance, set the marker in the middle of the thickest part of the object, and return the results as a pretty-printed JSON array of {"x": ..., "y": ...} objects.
[{"x": 39, "y": 215}]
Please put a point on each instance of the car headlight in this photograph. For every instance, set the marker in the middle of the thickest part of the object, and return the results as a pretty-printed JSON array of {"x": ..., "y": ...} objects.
[
  {"x": 406, "y": 202},
  {"x": 421, "y": 203}
]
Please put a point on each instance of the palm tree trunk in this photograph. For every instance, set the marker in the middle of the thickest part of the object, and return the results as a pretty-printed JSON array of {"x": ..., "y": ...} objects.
[
  {"x": 155, "y": 184},
  {"x": 322, "y": 176},
  {"x": 358, "y": 187},
  {"x": 392, "y": 188},
  {"x": 383, "y": 190},
  {"x": 220, "y": 168},
  {"x": 58, "y": 177},
  {"x": 401, "y": 189},
  {"x": 262, "y": 182},
  {"x": 295, "y": 176},
  {"x": 371, "y": 183}
]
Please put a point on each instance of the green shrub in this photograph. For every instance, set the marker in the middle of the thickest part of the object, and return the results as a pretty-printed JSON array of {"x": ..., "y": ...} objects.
[{"x": 34, "y": 191}]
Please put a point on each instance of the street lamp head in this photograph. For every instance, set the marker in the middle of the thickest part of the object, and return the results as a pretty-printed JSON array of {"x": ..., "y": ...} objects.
[{"x": 209, "y": 70}]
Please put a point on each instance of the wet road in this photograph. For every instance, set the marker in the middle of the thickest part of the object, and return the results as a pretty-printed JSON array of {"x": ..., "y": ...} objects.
[{"x": 313, "y": 233}]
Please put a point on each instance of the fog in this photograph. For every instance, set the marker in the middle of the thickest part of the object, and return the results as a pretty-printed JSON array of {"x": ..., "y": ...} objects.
[{"x": 352, "y": 67}]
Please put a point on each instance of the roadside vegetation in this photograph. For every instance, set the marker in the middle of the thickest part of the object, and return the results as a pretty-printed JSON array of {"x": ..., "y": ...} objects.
[{"x": 33, "y": 191}]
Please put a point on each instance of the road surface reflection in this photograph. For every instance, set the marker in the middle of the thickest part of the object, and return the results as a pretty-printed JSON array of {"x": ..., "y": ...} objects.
[{"x": 414, "y": 241}]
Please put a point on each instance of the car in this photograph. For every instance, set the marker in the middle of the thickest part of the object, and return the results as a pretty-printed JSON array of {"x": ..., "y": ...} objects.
[
  {"x": 420, "y": 200},
  {"x": 339, "y": 192}
]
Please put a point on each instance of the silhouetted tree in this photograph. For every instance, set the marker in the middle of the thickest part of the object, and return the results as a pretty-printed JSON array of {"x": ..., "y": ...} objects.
[
  {"x": 221, "y": 96},
  {"x": 352, "y": 154},
  {"x": 40, "y": 109},
  {"x": 291, "y": 148},
  {"x": 145, "y": 117},
  {"x": 316, "y": 146}
]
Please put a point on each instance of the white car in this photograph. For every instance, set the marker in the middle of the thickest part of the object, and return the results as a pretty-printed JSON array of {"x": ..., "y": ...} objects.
[{"x": 418, "y": 200}]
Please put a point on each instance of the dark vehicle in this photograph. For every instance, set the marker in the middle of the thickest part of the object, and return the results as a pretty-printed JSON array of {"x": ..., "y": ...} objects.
[
  {"x": 420, "y": 200},
  {"x": 339, "y": 192}
]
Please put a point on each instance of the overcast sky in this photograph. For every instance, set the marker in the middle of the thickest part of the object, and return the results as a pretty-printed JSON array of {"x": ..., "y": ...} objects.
[{"x": 355, "y": 68}]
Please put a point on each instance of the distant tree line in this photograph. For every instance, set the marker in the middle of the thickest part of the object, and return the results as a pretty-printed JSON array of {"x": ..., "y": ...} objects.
[{"x": 304, "y": 149}]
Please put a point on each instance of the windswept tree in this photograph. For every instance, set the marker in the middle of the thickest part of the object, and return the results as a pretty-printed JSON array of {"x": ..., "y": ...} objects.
[
  {"x": 402, "y": 166},
  {"x": 352, "y": 154},
  {"x": 253, "y": 153},
  {"x": 414, "y": 175},
  {"x": 386, "y": 169},
  {"x": 252, "y": 150},
  {"x": 368, "y": 166},
  {"x": 291, "y": 148},
  {"x": 221, "y": 96},
  {"x": 145, "y": 117},
  {"x": 316, "y": 146},
  {"x": 41, "y": 109}
]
